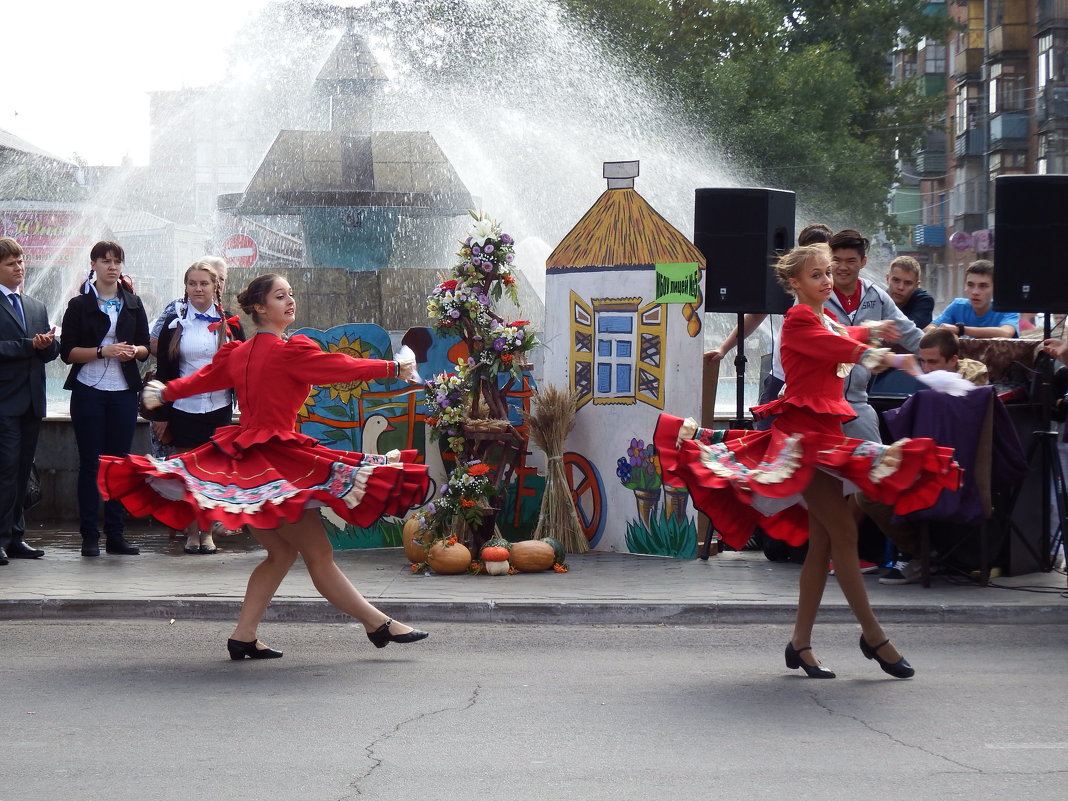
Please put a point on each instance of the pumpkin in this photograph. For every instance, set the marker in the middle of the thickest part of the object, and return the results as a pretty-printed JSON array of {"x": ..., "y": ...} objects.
[
  {"x": 413, "y": 531},
  {"x": 448, "y": 559},
  {"x": 532, "y": 556},
  {"x": 496, "y": 568},
  {"x": 558, "y": 549},
  {"x": 494, "y": 553}
]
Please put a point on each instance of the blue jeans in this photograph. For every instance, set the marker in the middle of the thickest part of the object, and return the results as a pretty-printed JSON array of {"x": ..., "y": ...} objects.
[{"x": 103, "y": 426}]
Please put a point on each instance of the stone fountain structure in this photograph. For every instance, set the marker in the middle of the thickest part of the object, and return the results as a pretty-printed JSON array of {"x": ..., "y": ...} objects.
[{"x": 370, "y": 213}]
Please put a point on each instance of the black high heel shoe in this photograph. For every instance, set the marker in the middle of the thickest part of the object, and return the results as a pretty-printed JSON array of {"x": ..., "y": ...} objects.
[
  {"x": 794, "y": 661},
  {"x": 381, "y": 636},
  {"x": 901, "y": 669},
  {"x": 239, "y": 650}
]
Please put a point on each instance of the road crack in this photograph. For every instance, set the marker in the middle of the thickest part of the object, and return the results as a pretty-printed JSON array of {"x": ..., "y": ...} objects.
[{"x": 371, "y": 747}]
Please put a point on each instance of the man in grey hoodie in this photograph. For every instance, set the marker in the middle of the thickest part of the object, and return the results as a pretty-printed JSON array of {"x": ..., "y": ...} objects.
[{"x": 855, "y": 301}]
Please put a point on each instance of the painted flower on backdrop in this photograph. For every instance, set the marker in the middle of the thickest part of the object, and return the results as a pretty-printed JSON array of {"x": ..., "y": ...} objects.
[
  {"x": 640, "y": 468},
  {"x": 347, "y": 390}
]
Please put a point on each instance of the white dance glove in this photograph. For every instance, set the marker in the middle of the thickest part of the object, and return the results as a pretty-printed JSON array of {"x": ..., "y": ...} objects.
[
  {"x": 152, "y": 394},
  {"x": 948, "y": 382},
  {"x": 406, "y": 366}
]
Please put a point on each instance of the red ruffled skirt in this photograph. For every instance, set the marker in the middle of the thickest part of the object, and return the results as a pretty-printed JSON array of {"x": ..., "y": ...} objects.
[
  {"x": 745, "y": 479},
  {"x": 262, "y": 478}
]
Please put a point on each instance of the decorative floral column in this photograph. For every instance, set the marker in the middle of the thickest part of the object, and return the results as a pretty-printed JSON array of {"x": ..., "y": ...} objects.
[{"x": 468, "y": 407}]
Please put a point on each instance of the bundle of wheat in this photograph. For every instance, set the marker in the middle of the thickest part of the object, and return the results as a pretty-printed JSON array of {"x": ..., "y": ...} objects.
[{"x": 551, "y": 419}]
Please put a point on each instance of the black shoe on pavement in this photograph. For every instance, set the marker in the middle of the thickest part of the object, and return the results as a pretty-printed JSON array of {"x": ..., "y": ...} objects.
[
  {"x": 3, "y": 557},
  {"x": 120, "y": 547},
  {"x": 20, "y": 550}
]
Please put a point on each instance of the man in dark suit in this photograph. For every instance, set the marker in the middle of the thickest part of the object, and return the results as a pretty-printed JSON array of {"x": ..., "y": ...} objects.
[{"x": 27, "y": 342}]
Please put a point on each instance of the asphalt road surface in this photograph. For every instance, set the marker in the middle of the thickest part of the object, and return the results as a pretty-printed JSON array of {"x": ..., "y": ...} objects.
[{"x": 137, "y": 711}]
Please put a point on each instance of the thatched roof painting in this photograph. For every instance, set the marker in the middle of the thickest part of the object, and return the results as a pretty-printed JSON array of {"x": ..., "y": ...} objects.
[{"x": 622, "y": 229}]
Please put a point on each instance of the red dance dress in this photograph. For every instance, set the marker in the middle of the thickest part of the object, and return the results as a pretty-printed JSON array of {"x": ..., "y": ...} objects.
[
  {"x": 262, "y": 472},
  {"x": 745, "y": 479}
]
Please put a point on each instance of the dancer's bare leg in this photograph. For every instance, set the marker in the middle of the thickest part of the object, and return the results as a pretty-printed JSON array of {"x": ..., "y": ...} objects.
[
  {"x": 308, "y": 537},
  {"x": 264, "y": 581},
  {"x": 812, "y": 582},
  {"x": 829, "y": 508}
]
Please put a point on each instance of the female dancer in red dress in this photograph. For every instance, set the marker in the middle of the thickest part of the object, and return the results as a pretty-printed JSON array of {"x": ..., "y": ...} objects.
[
  {"x": 264, "y": 474},
  {"x": 742, "y": 479}
]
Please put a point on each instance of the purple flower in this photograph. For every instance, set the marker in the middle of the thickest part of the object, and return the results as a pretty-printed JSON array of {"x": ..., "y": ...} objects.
[
  {"x": 468, "y": 241},
  {"x": 476, "y": 262},
  {"x": 509, "y": 258},
  {"x": 506, "y": 240},
  {"x": 488, "y": 248},
  {"x": 476, "y": 250},
  {"x": 498, "y": 344},
  {"x": 431, "y": 508},
  {"x": 454, "y": 313},
  {"x": 487, "y": 267}
]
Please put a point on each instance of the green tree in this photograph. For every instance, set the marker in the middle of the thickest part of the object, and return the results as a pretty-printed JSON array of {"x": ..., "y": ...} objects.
[{"x": 798, "y": 93}]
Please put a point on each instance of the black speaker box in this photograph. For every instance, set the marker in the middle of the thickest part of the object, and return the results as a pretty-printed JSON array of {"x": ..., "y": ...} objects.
[
  {"x": 1031, "y": 243},
  {"x": 740, "y": 232}
]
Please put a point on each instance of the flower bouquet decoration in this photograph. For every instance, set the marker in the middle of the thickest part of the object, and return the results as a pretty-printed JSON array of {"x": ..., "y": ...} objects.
[
  {"x": 462, "y": 502},
  {"x": 462, "y": 306}
]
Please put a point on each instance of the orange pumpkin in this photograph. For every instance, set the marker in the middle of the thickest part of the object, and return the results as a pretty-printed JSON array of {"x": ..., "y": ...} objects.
[
  {"x": 448, "y": 559},
  {"x": 413, "y": 531},
  {"x": 494, "y": 553},
  {"x": 532, "y": 556}
]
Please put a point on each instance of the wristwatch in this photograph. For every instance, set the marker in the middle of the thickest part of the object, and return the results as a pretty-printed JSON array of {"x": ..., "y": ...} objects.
[
  {"x": 960, "y": 329},
  {"x": 100, "y": 352}
]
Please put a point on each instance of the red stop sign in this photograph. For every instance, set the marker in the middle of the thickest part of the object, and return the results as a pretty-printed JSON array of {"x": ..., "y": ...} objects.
[{"x": 240, "y": 250}]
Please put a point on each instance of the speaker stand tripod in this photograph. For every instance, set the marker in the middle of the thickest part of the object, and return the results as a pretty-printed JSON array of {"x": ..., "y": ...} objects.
[
  {"x": 740, "y": 422},
  {"x": 1043, "y": 447}
]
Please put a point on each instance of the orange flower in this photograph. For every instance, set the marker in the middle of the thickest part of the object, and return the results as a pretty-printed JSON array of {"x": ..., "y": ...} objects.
[
  {"x": 451, "y": 540},
  {"x": 508, "y": 280},
  {"x": 506, "y": 358},
  {"x": 416, "y": 567},
  {"x": 559, "y": 568},
  {"x": 466, "y": 504},
  {"x": 479, "y": 469}
]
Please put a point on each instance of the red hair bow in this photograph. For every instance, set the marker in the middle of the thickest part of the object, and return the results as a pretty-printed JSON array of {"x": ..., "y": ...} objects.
[{"x": 213, "y": 327}]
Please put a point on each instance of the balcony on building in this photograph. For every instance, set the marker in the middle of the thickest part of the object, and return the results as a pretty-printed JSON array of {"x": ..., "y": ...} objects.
[
  {"x": 906, "y": 204},
  {"x": 931, "y": 157},
  {"x": 929, "y": 236},
  {"x": 932, "y": 84},
  {"x": 1008, "y": 38},
  {"x": 970, "y": 143},
  {"x": 1009, "y": 130},
  {"x": 1052, "y": 105},
  {"x": 1052, "y": 13}
]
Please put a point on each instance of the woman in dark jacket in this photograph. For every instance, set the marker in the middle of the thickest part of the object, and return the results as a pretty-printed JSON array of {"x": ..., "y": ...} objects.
[{"x": 105, "y": 330}]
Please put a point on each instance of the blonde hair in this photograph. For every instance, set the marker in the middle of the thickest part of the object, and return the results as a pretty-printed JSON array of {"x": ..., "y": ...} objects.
[
  {"x": 908, "y": 264},
  {"x": 791, "y": 264},
  {"x": 223, "y": 336}
]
